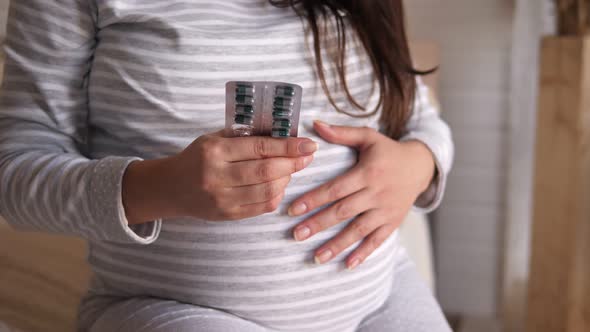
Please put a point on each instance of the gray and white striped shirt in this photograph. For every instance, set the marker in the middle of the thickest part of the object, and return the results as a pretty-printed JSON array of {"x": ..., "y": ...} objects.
[{"x": 91, "y": 85}]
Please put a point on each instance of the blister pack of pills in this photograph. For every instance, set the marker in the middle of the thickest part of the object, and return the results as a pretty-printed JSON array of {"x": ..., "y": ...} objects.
[{"x": 262, "y": 109}]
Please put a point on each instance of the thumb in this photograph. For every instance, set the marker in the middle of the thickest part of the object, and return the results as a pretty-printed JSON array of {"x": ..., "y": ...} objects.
[
  {"x": 221, "y": 133},
  {"x": 358, "y": 137}
]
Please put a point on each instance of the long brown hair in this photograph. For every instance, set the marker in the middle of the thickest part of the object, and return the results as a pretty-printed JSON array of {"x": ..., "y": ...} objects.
[{"x": 380, "y": 26}]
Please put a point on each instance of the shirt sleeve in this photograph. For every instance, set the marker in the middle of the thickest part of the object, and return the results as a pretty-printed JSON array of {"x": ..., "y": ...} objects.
[
  {"x": 426, "y": 126},
  {"x": 47, "y": 182}
]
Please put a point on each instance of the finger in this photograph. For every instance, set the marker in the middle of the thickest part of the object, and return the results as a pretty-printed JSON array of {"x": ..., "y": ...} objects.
[
  {"x": 369, "y": 245},
  {"x": 358, "y": 137},
  {"x": 357, "y": 230},
  {"x": 253, "y": 210},
  {"x": 342, "y": 186},
  {"x": 219, "y": 133},
  {"x": 249, "y": 148},
  {"x": 252, "y": 172},
  {"x": 259, "y": 193},
  {"x": 345, "y": 209}
]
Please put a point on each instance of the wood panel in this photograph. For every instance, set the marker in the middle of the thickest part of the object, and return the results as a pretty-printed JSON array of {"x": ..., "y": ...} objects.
[
  {"x": 559, "y": 287},
  {"x": 42, "y": 278},
  {"x": 573, "y": 17}
]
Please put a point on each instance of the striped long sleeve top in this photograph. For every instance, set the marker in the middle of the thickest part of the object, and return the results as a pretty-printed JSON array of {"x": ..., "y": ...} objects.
[{"x": 92, "y": 85}]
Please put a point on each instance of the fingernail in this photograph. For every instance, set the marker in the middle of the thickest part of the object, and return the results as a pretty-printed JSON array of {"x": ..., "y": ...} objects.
[
  {"x": 308, "y": 147},
  {"x": 302, "y": 233},
  {"x": 323, "y": 256},
  {"x": 307, "y": 160},
  {"x": 321, "y": 123},
  {"x": 297, "y": 209},
  {"x": 355, "y": 262}
]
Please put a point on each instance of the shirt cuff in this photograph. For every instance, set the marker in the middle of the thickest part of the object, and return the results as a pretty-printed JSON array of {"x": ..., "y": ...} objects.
[
  {"x": 107, "y": 207},
  {"x": 432, "y": 197}
]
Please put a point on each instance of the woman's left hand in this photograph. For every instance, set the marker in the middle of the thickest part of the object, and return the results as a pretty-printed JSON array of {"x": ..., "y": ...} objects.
[{"x": 379, "y": 190}]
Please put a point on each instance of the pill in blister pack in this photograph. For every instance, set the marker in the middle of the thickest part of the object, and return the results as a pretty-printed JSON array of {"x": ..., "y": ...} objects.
[
  {"x": 281, "y": 123},
  {"x": 285, "y": 91},
  {"x": 245, "y": 109},
  {"x": 262, "y": 109},
  {"x": 282, "y": 113},
  {"x": 283, "y": 102},
  {"x": 280, "y": 132}
]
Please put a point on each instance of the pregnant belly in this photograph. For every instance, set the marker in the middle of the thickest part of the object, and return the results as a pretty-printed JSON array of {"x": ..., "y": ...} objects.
[
  {"x": 257, "y": 272},
  {"x": 253, "y": 268}
]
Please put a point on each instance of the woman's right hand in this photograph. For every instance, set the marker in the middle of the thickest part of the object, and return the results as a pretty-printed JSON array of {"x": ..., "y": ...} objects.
[{"x": 215, "y": 178}]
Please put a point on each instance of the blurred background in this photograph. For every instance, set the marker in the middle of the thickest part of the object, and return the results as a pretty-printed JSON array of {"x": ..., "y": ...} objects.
[
  {"x": 478, "y": 246},
  {"x": 488, "y": 91}
]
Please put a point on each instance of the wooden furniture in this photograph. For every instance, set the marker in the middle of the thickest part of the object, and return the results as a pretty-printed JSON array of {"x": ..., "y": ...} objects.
[
  {"x": 559, "y": 286},
  {"x": 42, "y": 278},
  {"x": 574, "y": 16}
]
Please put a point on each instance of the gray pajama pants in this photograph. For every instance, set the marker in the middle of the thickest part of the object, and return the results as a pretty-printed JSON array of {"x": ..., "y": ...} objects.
[{"x": 410, "y": 308}]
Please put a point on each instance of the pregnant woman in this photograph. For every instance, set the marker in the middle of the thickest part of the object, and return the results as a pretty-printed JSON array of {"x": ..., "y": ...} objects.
[{"x": 110, "y": 129}]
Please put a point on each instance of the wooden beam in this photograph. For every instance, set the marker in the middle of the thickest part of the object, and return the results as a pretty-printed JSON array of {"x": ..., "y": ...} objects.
[
  {"x": 559, "y": 287},
  {"x": 573, "y": 17}
]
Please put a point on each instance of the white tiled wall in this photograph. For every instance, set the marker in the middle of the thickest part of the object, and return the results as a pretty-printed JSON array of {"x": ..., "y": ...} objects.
[{"x": 475, "y": 40}]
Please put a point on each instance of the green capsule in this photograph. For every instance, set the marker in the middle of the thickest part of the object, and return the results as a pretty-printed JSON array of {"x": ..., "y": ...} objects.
[
  {"x": 242, "y": 89},
  {"x": 244, "y": 119},
  {"x": 245, "y": 109},
  {"x": 284, "y": 91},
  {"x": 281, "y": 113},
  {"x": 280, "y": 132},
  {"x": 281, "y": 123},
  {"x": 283, "y": 102},
  {"x": 244, "y": 85},
  {"x": 244, "y": 99}
]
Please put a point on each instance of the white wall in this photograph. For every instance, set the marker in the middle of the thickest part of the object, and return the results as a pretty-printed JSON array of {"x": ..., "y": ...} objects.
[{"x": 475, "y": 38}]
